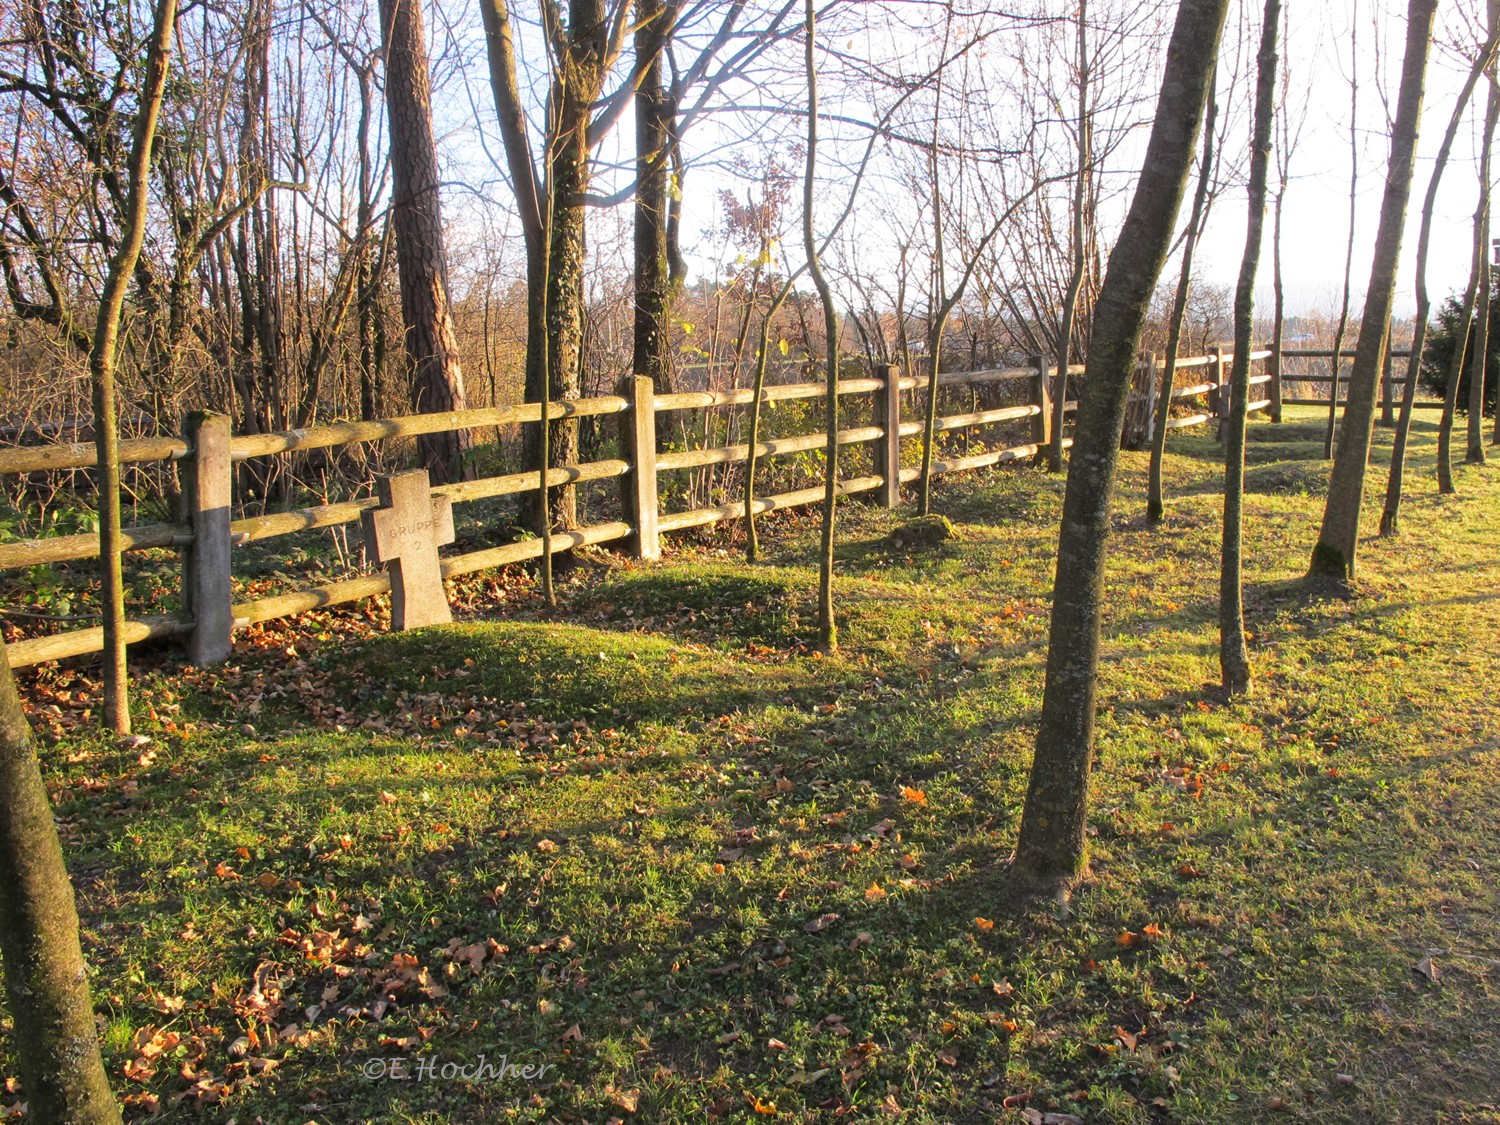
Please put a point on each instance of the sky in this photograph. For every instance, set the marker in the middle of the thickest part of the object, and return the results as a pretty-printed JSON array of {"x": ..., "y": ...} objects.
[
  {"x": 1330, "y": 40},
  {"x": 1316, "y": 221}
]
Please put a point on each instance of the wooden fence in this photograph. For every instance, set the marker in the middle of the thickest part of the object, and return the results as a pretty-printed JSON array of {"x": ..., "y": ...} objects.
[
  {"x": 1392, "y": 386},
  {"x": 208, "y": 451}
]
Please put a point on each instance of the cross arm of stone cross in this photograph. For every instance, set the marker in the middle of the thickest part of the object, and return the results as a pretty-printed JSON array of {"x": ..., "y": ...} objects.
[{"x": 405, "y": 533}]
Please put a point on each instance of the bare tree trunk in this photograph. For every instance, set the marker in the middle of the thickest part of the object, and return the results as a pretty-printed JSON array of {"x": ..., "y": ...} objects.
[
  {"x": 654, "y": 20},
  {"x": 1456, "y": 368},
  {"x": 1051, "y": 846},
  {"x": 1155, "y": 497},
  {"x": 103, "y": 362},
  {"x": 1390, "y": 517},
  {"x": 828, "y": 633},
  {"x": 1075, "y": 282},
  {"x": 1338, "y": 335},
  {"x": 1334, "y": 555},
  {"x": 437, "y": 377},
  {"x": 1234, "y": 654},
  {"x": 1480, "y": 362},
  {"x": 46, "y": 982}
]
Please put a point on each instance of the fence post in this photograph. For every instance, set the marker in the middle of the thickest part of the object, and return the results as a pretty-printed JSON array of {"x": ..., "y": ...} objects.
[
  {"x": 1221, "y": 394},
  {"x": 1273, "y": 368},
  {"x": 1149, "y": 359},
  {"x": 207, "y": 594},
  {"x": 1041, "y": 424},
  {"x": 888, "y": 448},
  {"x": 639, "y": 446}
]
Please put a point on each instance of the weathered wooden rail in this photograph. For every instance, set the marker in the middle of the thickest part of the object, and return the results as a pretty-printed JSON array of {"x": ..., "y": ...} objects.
[{"x": 208, "y": 452}]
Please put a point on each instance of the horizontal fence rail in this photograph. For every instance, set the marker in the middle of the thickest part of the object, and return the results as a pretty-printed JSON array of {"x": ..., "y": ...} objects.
[{"x": 208, "y": 452}]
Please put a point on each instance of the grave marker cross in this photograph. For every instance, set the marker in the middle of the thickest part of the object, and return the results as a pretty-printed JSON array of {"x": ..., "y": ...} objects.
[{"x": 405, "y": 533}]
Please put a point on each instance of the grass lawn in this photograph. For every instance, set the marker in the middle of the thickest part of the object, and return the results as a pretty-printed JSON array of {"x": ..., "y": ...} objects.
[{"x": 697, "y": 873}]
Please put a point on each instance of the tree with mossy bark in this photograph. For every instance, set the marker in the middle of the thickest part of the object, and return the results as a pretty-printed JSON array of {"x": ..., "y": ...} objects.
[
  {"x": 1051, "y": 845},
  {"x": 1334, "y": 555},
  {"x": 46, "y": 982}
]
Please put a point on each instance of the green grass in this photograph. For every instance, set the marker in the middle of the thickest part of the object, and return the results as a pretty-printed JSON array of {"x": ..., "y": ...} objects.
[{"x": 736, "y": 881}]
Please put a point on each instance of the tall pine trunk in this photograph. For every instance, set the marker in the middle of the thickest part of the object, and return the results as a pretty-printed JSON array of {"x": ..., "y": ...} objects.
[
  {"x": 1334, "y": 556},
  {"x": 1051, "y": 845},
  {"x": 417, "y": 218},
  {"x": 1234, "y": 654},
  {"x": 46, "y": 982}
]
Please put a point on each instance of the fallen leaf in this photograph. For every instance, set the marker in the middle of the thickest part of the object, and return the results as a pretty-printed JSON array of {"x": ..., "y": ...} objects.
[
  {"x": 628, "y": 1100},
  {"x": 572, "y": 1035},
  {"x": 820, "y": 923},
  {"x": 1428, "y": 968},
  {"x": 915, "y": 796},
  {"x": 984, "y": 923},
  {"x": 873, "y": 892}
]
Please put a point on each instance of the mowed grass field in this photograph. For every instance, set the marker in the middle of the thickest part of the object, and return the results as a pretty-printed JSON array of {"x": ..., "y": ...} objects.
[{"x": 686, "y": 870}]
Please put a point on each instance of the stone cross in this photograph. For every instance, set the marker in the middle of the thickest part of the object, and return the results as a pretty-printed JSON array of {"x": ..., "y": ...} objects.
[{"x": 405, "y": 533}]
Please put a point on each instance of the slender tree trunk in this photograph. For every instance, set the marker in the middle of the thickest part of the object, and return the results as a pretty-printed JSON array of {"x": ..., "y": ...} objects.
[
  {"x": 46, "y": 982},
  {"x": 103, "y": 361},
  {"x": 1456, "y": 368},
  {"x": 1390, "y": 517},
  {"x": 937, "y": 303},
  {"x": 1338, "y": 335},
  {"x": 828, "y": 633},
  {"x": 1334, "y": 555},
  {"x": 1051, "y": 845},
  {"x": 1480, "y": 361},
  {"x": 416, "y": 207},
  {"x": 1075, "y": 281},
  {"x": 1234, "y": 654},
  {"x": 1155, "y": 496}
]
